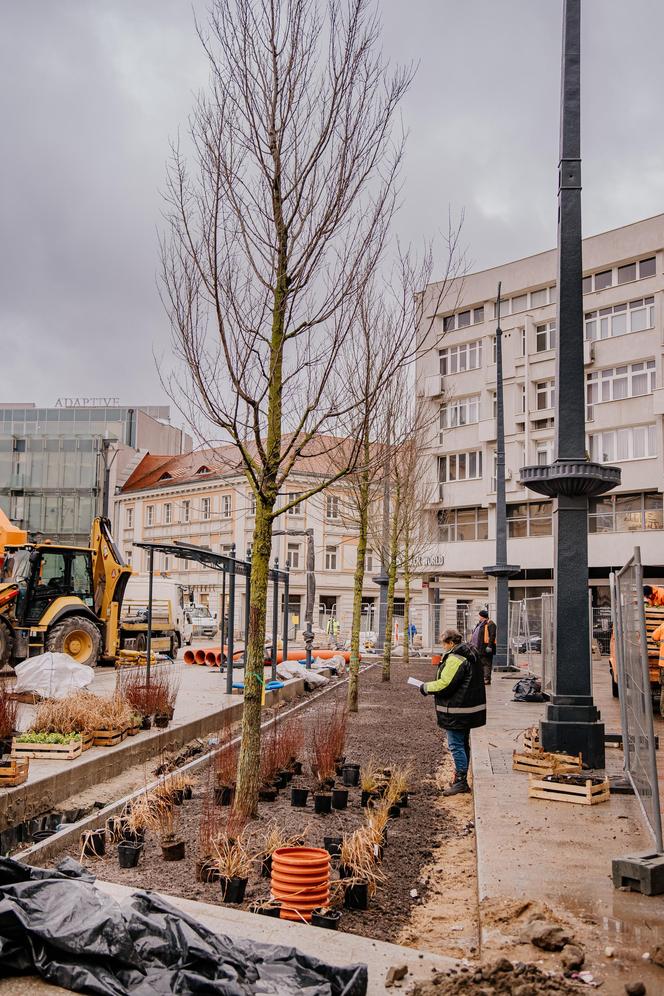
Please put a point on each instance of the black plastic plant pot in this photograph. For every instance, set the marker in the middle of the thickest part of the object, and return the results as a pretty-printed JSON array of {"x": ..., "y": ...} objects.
[
  {"x": 206, "y": 871},
  {"x": 41, "y": 835},
  {"x": 281, "y": 781},
  {"x": 188, "y": 792},
  {"x": 94, "y": 845},
  {"x": 223, "y": 796},
  {"x": 345, "y": 872},
  {"x": 367, "y": 797},
  {"x": 266, "y": 866},
  {"x": 146, "y": 723},
  {"x": 329, "y": 919},
  {"x": 357, "y": 896},
  {"x": 339, "y": 798},
  {"x": 161, "y": 722},
  {"x": 286, "y": 775},
  {"x": 403, "y": 800},
  {"x": 266, "y": 909},
  {"x": 333, "y": 846},
  {"x": 133, "y": 836},
  {"x": 233, "y": 889},
  {"x": 5, "y": 745},
  {"x": 322, "y": 803},
  {"x": 177, "y": 797},
  {"x": 351, "y": 774},
  {"x": 268, "y": 793},
  {"x": 128, "y": 854},
  {"x": 296, "y": 767},
  {"x": 173, "y": 851},
  {"x": 298, "y": 797},
  {"x": 394, "y": 812},
  {"x": 116, "y": 826}
]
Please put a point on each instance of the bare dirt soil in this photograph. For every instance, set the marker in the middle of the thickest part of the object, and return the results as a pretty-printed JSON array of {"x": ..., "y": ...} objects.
[{"x": 394, "y": 725}]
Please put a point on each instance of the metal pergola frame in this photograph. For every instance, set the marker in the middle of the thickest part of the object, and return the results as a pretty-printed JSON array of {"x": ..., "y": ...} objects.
[{"x": 230, "y": 567}]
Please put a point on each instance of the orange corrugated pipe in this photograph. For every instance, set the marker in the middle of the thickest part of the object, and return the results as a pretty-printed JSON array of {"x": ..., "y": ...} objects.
[
  {"x": 199, "y": 656},
  {"x": 300, "y": 880},
  {"x": 189, "y": 657},
  {"x": 299, "y": 655}
]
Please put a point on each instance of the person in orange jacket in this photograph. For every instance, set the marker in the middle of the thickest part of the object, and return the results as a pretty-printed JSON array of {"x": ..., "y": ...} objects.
[
  {"x": 653, "y": 594},
  {"x": 658, "y": 637}
]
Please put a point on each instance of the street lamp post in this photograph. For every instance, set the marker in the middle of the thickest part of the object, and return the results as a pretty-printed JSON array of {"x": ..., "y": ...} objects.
[
  {"x": 572, "y": 723},
  {"x": 501, "y": 570}
]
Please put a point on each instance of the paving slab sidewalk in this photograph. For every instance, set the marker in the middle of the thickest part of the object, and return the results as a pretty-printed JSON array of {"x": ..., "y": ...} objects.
[{"x": 557, "y": 854}]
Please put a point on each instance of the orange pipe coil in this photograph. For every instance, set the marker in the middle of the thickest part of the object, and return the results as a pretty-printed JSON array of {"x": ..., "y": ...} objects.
[{"x": 300, "y": 880}]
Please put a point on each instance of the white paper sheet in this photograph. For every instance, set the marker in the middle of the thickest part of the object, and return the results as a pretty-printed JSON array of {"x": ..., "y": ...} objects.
[{"x": 415, "y": 681}]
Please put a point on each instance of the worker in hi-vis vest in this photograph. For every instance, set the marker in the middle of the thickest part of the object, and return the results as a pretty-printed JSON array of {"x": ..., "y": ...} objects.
[{"x": 484, "y": 641}]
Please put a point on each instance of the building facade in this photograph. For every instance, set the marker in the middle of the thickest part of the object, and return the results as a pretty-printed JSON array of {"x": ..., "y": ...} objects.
[
  {"x": 456, "y": 383},
  {"x": 57, "y": 463},
  {"x": 202, "y": 498}
]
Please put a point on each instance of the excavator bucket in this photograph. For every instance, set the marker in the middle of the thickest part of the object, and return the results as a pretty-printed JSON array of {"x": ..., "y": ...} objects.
[{"x": 9, "y": 534}]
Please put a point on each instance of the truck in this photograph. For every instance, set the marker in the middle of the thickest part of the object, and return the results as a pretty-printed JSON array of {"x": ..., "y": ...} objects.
[
  {"x": 654, "y": 617},
  {"x": 172, "y": 625},
  {"x": 61, "y": 598},
  {"x": 204, "y": 623}
]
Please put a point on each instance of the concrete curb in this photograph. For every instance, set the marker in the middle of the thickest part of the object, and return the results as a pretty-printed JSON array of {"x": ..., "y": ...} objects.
[{"x": 49, "y": 848}]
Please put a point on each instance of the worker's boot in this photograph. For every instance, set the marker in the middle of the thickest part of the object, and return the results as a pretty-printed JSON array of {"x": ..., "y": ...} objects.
[{"x": 459, "y": 785}]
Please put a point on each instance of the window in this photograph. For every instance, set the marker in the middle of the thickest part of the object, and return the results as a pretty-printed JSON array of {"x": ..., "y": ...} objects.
[
  {"x": 252, "y": 504},
  {"x": 129, "y": 517},
  {"x": 620, "y": 319},
  {"x": 544, "y": 453},
  {"x": 603, "y": 279},
  {"x": 205, "y": 508},
  {"x": 331, "y": 507},
  {"x": 462, "y": 411},
  {"x": 168, "y": 513},
  {"x": 494, "y": 349},
  {"x": 529, "y": 519},
  {"x": 167, "y": 562},
  {"x": 463, "y": 319},
  {"x": 448, "y": 323},
  {"x": 615, "y": 383},
  {"x": 539, "y": 298},
  {"x": 296, "y": 509},
  {"x": 460, "y": 467},
  {"x": 330, "y": 558},
  {"x": 545, "y": 395},
  {"x": 128, "y": 556},
  {"x": 520, "y": 402},
  {"x": 545, "y": 337},
  {"x": 471, "y": 316},
  {"x": 478, "y": 314},
  {"x": 626, "y": 513},
  {"x": 519, "y": 303},
  {"x": 494, "y": 404},
  {"x": 504, "y": 308},
  {"x": 617, "y": 445},
  {"x": 587, "y": 285},
  {"x": 186, "y": 511},
  {"x": 368, "y": 561},
  {"x": 226, "y": 506},
  {"x": 626, "y": 273},
  {"x": 647, "y": 268},
  {"x": 293, "y": 556},
  {"x": 456, "y": 359},
  {"x": 458, "y": 525},
  {"x": 524, "y": 341},
  {"x": 149, "y": 515}
]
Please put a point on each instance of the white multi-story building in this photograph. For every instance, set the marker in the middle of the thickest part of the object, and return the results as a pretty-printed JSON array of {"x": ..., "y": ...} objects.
[
  {"x": 203, "y": 498},
  {"x": 456, "y": 380}
]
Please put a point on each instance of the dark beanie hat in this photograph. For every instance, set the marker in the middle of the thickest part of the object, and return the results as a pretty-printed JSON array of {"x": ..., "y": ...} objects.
[{"x": 484, "y": 613}]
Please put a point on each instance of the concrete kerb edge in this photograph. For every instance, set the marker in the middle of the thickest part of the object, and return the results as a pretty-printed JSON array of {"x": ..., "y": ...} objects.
[{"x": 47, "y": 849}]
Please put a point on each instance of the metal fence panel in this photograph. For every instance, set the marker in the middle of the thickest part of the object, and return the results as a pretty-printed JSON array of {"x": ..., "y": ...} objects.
[
  {"x": 547, "y": 634},
  {"x": 634, "y": 686}
]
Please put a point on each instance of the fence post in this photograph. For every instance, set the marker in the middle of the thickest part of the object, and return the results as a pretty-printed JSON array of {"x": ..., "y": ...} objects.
[
  {"x": 231, "y": 622},
  {"x": 275, "y": 618}
]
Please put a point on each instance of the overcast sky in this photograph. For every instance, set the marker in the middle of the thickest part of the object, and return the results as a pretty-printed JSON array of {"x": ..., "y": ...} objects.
[{"x": 92, "y": 90}]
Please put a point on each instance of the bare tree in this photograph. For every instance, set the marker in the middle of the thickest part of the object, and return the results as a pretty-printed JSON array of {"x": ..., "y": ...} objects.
[{"x": 275, "y": 231}]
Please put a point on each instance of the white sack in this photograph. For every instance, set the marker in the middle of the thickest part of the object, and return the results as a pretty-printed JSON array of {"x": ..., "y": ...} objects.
[
  {"x": 291, "y": 669},
  {"x": 53, "y": 676}
]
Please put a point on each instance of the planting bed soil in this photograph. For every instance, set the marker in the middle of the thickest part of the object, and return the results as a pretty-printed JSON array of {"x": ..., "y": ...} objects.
[{"x": 394, "y": 726}]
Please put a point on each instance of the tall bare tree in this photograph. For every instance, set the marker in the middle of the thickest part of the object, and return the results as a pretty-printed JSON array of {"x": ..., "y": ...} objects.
[{"x": 275, "y": 230}]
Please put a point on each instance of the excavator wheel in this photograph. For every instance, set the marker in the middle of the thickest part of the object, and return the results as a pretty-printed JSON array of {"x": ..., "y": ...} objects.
[
  {"x": 78, "y": 637},
  {"x": 6, "y": 644}
]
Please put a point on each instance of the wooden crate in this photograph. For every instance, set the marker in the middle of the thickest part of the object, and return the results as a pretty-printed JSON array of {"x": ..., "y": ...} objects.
[
  {"x": 28, "y": 698},
  {"x": 132, "y": 731},
  {"x": 108, "y": 738},
  {"x": 581, "y": 795},
  {"x": 546, "y": 763},
  {"x": 86, "y": 741},
  {"x": 14, "y": 773},
  {"x": 531, "y": 740},
  {"x": 47, "y": 752}
]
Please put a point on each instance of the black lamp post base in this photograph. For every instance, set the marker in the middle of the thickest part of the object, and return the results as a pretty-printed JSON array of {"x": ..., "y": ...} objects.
[{"x": 574, "y": 727}]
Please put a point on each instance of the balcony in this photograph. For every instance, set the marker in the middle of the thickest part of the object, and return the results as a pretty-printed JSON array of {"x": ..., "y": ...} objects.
[
  {"x": 658, "y": 401},
  {"x": 432, "y": 386},
  {"x": 487, "y": 430}
]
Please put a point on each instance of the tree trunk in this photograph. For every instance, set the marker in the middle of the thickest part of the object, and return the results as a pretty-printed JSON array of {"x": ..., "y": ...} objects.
[
  {"x": 406, "y": 596},
  {"x": 363, "y": 515},
  {"x": 248, "y": 772},
  {"x": 391, "y": 583}
]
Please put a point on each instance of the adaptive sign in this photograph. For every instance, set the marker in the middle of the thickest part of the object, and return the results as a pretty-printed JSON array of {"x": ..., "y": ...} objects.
[{"x": 87, "y": 403}]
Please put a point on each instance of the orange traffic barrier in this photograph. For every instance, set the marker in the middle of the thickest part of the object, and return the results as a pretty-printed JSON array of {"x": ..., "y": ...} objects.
[{"x": 300, "y": 880}]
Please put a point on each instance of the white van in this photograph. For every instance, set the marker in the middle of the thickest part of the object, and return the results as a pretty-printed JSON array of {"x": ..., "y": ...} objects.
[
  {"x": 204, "y": 623},
  {"x": 171, "y": 618}
]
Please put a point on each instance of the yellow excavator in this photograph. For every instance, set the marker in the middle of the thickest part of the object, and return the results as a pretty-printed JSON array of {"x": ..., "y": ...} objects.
[{"x": 65, "y": 599}]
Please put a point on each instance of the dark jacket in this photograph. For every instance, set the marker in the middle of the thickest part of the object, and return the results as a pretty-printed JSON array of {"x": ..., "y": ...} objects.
[
  {"x": 459, "y": 690},
  {"x": 484, "y": 637}
]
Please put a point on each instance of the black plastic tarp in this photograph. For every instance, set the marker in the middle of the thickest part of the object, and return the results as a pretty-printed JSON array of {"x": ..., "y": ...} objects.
[{"x": 58, "y": 925}]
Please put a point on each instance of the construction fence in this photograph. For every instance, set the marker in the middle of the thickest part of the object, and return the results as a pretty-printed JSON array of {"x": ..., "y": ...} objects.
[{"x": 634, "y": 690}]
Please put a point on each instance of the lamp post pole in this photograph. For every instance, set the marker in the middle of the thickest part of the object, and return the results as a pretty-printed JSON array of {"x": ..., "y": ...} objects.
[
  {"x": 501, "y": 570},
  {"x": 571, "y": 722}
]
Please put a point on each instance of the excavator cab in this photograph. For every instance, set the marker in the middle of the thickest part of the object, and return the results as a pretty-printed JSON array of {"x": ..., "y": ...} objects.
[{"x": 62, "y": 598}]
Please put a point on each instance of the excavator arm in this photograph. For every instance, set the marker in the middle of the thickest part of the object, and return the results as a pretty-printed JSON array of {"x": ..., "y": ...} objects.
[{"x": 109, "y": 577}]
